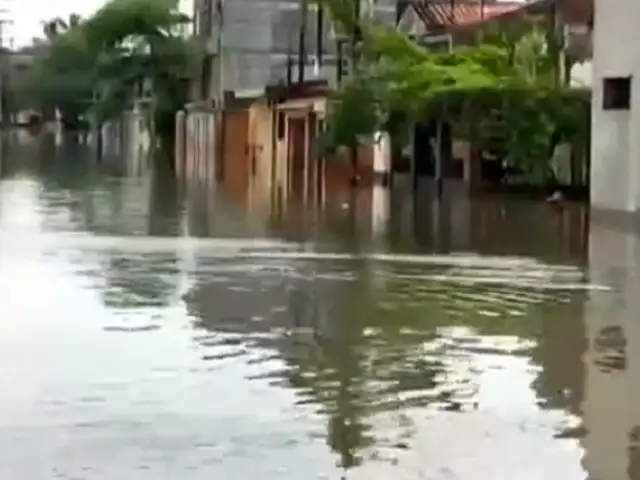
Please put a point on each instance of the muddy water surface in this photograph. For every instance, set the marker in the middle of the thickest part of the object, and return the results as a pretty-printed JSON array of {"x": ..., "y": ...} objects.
[{"x": 143, "y": 337}]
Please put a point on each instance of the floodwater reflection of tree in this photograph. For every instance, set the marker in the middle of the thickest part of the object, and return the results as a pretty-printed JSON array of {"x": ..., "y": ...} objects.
[{"x": 361, "y": 339}]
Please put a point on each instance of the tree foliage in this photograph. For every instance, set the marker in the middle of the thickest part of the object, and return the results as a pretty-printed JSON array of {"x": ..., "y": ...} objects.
[
  {"x": 98, "y": 66},
  {"x": 63, "y": 76},
  {"x": 58, "y": 26},
  {"x": 502, "y": 92}
]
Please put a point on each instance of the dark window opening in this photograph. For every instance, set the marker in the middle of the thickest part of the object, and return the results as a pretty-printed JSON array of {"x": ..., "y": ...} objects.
[{"x": 616, "y": 93}]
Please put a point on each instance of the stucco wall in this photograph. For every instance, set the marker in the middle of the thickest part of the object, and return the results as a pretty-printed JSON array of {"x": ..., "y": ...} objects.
[
  {"x": 199, "y": 144},
  {"x": 257, "y": 36},
  {"x": 260, "y": 146},
  {"x": 236, "y": 165},
  {"x": 126, "y": 142},
  {"x": 615, "y": 143}
]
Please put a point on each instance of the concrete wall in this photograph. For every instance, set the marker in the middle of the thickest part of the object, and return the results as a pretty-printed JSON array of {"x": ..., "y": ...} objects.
[
  {"x": 257, "y": 167},
  {"x": 257, "y": 36},
  {"x": 615, "y": 144},
  {"x": 582, "y": 74},
  {"x": 126, "y": 142},
  {"x": 200, "y": 145},
  {"x": 179, "y": 155},
  {"x": 111, "y": 138},
  {"x": 260, "y": 153},
  {"x": 195, "y": 145},
  {"x": 137, "y": 141},
  {"x": 281, "y": 179}
]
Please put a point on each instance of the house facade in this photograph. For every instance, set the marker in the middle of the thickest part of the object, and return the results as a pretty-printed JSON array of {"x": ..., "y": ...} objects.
[
  {"x": 233, "y": 126},
  {"x": 235, "y": 132},
  {"x": 454, "y": 22}
]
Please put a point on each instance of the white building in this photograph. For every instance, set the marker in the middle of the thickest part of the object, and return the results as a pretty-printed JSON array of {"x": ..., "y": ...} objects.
[{"x": 615, "y": 144}]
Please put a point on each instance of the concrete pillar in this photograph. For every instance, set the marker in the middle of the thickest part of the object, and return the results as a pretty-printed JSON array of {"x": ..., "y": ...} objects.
[
  {"x": 203, "y": 146},
  {"x": 211, "y": 148},
  {"x": 615, "y": 142},
  {"x": 179, "y": 143},
  {"x": 196, "y": 145},
  {"x": 380, "y": 211},
  {"x": 200, "y": 148},
  {"x": 382, "y": 158},
  {"x": 207, "y": 151},
  {"x": 471, "y": 164},
  {"x": 189, "y": 146}
]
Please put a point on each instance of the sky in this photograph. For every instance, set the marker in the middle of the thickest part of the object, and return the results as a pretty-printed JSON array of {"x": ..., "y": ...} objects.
[{"x": 27, "y": 16}]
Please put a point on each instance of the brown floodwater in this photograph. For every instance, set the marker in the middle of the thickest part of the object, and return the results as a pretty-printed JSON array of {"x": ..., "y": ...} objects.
[{"x": 153, "y": 332}]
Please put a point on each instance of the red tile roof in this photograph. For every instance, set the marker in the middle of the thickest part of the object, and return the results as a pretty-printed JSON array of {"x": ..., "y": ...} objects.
[{"x": 448, "y": 12}]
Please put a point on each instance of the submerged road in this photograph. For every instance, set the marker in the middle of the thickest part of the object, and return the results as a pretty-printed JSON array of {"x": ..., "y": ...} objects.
[{"x": 142, "y": 338}]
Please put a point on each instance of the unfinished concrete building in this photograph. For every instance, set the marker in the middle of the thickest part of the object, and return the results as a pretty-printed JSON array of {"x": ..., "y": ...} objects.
[{"x": 261, "y": 42}]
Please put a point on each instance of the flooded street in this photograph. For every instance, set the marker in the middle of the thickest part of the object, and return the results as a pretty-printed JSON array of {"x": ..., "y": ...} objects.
[{"x": 150, "y": 334}]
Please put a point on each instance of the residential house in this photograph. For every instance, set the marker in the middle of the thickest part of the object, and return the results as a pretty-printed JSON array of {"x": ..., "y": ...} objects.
[
  {"x": 421, "y": 17},
  {"x": 257, "y": 47},
  {"x": 459, "y": 21},
  {"x": 449, "y": 22}
]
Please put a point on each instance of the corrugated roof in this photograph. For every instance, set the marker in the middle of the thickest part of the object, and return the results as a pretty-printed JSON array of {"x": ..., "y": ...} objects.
[{"x": 447, "y": 12}]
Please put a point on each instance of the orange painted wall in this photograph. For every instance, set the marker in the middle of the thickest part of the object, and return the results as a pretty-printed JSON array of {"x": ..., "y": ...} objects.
[{"x": 236, "y": 155}]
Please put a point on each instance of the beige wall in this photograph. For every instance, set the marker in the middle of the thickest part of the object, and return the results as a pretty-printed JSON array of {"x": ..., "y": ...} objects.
[
  {"x": 260, "y": 153},
  {"x": 235, "y": 160},
  {"x": 127, "y": 140}
]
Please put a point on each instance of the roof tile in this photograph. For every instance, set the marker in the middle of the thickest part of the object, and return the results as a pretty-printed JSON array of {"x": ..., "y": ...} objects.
[{"x": 445, "y": 13}]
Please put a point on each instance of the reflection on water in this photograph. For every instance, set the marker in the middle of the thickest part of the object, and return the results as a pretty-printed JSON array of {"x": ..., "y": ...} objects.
[
  {"x": 149, "y": 334},
  {"x": 369, "y": 343}
]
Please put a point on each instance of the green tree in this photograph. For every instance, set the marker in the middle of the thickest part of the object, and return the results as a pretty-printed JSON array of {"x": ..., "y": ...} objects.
[
  {"x": 137, "y": 41},
  {"x": 58, "y": 26},
  {"x": 63, "y": 77},
  {"x": 100, "y": 66},
  {"x": 501, "y": 93}
]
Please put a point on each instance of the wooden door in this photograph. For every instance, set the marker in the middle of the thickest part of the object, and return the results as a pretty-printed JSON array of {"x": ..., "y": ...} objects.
[{"x": 236, "y": 154}]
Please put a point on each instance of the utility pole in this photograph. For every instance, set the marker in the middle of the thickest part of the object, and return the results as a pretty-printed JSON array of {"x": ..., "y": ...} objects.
[
  {"x": 219, "y": 22},
  {"x": 320, "y": 35},
  {"x": 302, "y": 39},
  {"x": 355, "y": 41},
  {"x": 219, "y": 100},
  {"x": 355, "y": 35}
]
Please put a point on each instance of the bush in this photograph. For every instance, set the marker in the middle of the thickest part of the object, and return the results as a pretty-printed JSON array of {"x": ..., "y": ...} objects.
[{"x": 522, "y": 124}]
